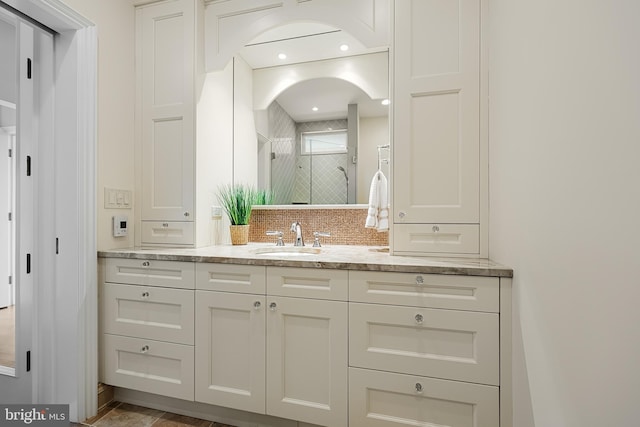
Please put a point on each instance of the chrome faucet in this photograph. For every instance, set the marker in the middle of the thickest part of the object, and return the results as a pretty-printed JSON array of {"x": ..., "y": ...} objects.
[{"x": 296, "y": 228}]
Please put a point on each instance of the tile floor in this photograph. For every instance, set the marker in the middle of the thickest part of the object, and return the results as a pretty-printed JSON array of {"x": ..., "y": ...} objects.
[{"x": 118, "y": 414}]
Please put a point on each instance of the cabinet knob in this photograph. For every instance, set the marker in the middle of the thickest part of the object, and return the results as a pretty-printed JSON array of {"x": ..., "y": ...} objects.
[
  {"x": 435, "y": 228},
  {"x": 419, "y": 318},
  {"x": 186, "y": 214},
  {"x": 273, "y": 306},
  {"x": 257, "y": 305},
  {"x": 144, "y": 349},
  {"x": 165, "y": 224},
  {"x": 419, "y": 388},
  {"x": 145, "y": 264},
  {"x": 402, "y": 214},
  {"x": 419, "y": 280},
  {"x": 145, "y": 295}
]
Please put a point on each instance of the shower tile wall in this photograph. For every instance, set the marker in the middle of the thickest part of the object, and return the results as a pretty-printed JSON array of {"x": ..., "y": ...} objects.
[{"x": 282, "y": 133}]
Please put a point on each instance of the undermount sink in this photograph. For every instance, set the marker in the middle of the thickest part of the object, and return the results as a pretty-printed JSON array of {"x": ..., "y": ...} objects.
[{"x": 287, "y": 251}]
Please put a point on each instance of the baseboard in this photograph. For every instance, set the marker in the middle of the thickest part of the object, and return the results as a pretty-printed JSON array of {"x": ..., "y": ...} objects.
[
  {"x": 106, "y": 395},
  {"x": 200, "y": 410}
]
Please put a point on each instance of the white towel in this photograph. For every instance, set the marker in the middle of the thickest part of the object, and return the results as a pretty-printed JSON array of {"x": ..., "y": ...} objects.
[{"x": 378, "y": 214}]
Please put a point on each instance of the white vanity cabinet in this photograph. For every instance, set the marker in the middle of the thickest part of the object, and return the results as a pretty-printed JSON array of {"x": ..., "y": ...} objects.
[
  {"x": 147, "y": 325},
  {"x": 439, "y": 183},
  {"x": 230, "y": 336},
  {"x": 269, "y": 340},
  {"x": 307, "y": 345},
  {"x": 425, "y": 350}
]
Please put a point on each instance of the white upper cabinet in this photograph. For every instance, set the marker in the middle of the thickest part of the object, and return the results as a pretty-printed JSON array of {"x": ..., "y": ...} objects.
[
  {"x": 437, "y": 132},
  {"x": 165, "y": 62}
]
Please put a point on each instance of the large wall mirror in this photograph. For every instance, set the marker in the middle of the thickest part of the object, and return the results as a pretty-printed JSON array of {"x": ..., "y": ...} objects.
[{"x": 321, "y": 110}]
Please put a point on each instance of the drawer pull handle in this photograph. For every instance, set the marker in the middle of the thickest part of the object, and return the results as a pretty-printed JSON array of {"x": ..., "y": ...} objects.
[
  {"x": 144, "y": 349},
  {"x": 165, "y": 224},
  {"x": 436, "y": 228},
  {"x": 273, "y": 306},
  {"x": 145, "y": 264},
  {"x": 418, "y": 388},
  {"x": 419, "y": 280},
  {"x": 257, "y": 305},
  {"x": 401, "y": 214},
  {"x": 419, "y": 318},
  {"x": 145, "y": 295}
]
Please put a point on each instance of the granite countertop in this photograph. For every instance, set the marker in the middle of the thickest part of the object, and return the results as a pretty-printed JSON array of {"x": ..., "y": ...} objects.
[{"x": 368, "y": 258}]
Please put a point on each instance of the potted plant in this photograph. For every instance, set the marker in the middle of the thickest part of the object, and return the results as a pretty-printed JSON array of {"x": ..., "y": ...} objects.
[{"x": 237, "y": 201}]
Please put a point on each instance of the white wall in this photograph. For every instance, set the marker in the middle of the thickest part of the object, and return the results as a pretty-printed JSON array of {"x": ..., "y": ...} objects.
[
  {"x": 565, "y": 204},
  {"x": 114, "y": 20}
]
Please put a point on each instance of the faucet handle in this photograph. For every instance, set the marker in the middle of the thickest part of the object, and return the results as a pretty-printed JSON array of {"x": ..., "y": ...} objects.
[
  {"x": 279, "y": 234},
  {"x": 316, "y": 237}
]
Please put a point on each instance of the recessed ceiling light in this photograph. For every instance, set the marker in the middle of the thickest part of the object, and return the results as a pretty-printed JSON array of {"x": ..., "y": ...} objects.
[
  {"x": 315, "y": 108},
  {"x": 282, "y": 56},
  {"x": 385, "y": 102},
  {"x": 344, "y": 47}
]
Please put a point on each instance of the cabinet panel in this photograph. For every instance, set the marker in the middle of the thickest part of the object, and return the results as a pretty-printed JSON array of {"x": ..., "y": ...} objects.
[
  {"x": 230, "y": 350},
  {"x": 308, "y": 283},
  {"x": 436, "y": 239},
  {"x": 165, "y": 66},
  {"x": 459, "y": 345},
  {"x": 231, "y": 278},
  {"x": 170, "y": 274},
  {"x": 148, "y": 312},
  {"x": 383, "y": 399},
  {"x": 167, "y": 232},
  {"x": 436, "y": 112},
  {"x": 307, "y": 360},
  {"x": 426, "y": 290},
  {"x": 146, "y": 365}
]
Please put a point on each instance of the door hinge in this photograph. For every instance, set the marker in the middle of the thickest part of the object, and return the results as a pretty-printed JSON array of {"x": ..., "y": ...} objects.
[
  {"x": 28, "y": 165},
  {"x": 57, "y": 246},
  {"x": 10, "y": 279},
  {"x": 29, "y": 68},
  {"x": 28, "y": 263},
  {"x": 10, "y": 152},
  {"x": 10, "y": 216},
  {"x": 28, "y": 360}
]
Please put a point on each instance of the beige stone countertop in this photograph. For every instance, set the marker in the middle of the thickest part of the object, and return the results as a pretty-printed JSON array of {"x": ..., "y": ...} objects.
[{"x": 367, "y": 258}]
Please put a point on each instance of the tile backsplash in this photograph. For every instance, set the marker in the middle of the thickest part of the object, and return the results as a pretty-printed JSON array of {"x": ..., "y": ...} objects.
[{"x": 346, "y": 226}]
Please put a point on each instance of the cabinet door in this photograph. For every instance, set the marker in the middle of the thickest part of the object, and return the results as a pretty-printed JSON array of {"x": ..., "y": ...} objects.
[
  {"x": 230, "y": 350},
  {"x": 436, "y": 115},
  {"x": 383, "y": 399},
  {"x": 165, "y": 77},
  {"x": 307, "y": 360}
]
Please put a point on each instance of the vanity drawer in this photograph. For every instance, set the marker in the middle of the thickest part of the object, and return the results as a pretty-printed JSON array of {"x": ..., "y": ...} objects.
[
  {"x": 450, "y": 344},
  {"x": 161, "y": 314},
  {"x": 421, "y": 239},
  {"x": 246, "y": 279},
  {"x": 151, "y": 366},
  {"x": 383, "y": 399},
  {"x": 167, "y": 233},
  {"x": 308, "y": 283},
  {"x": 169, "y": 274},
  {"x": 473, "y": 293}
]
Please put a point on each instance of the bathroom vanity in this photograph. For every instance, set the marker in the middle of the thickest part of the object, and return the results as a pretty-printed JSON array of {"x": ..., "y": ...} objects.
[{"x": 349, "y": 336}]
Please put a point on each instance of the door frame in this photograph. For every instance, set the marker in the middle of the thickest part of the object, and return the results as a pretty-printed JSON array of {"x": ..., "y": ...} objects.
[{"x": 64, "y": 340}]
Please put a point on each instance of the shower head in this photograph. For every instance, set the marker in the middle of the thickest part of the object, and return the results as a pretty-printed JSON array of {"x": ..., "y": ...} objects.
[{"x": 344, "y": 172}]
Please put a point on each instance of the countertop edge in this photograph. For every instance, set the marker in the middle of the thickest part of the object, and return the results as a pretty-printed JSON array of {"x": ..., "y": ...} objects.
[{"x": 400, "y": 264}]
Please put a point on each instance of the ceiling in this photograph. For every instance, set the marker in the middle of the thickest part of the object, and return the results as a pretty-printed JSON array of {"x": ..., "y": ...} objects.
[{"x": 306, "y": 42}]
